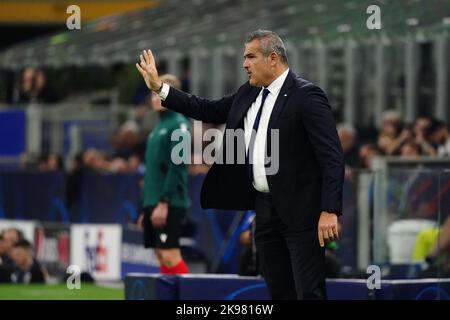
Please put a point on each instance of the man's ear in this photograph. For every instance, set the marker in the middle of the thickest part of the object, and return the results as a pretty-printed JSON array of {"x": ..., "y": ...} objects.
[{"x": 273, "y": 59}]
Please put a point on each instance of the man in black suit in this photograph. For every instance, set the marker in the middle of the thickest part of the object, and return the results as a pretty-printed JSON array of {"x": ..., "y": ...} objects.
[{"x": 298, "y": 203}]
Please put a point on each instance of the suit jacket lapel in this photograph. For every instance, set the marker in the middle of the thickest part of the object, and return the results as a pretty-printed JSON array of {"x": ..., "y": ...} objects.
[
  {"x": 276, "y": 111},
  {"x": 281, "y": 100},
  {"x": 248, "y": 99},
  {"x": 244, "y": 105}
]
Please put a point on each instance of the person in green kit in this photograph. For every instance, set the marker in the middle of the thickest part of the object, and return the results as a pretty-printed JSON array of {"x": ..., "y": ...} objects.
[{"x": 165, "y": 198}]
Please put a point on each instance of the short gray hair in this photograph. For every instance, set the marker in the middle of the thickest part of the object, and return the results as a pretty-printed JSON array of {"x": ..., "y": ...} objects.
[{"x": 270, "y": 42}]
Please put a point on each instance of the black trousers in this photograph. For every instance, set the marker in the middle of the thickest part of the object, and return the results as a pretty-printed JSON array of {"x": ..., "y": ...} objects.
[{"x": 291, "y": 261}]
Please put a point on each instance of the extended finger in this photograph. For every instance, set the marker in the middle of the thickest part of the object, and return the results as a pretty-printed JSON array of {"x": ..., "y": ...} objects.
[
  {"x": 150, "y": 56},
  {"x": 321, "y": 238},
  {"x": 143, "y": 62},
  {"x": 147, "y": 57},
  {"x": 336, "y": 232},
  {"x": 330, "y": 234},
  {"x": 324, "y": 234},
  {"x": 140, "y": 68}
]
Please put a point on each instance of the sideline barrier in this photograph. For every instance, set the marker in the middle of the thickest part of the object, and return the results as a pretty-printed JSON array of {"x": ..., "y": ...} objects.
[{"x": 139, "y": 286}]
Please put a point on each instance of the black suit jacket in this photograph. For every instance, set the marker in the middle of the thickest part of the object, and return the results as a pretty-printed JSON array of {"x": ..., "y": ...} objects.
[{"x": 311, "y": 167}]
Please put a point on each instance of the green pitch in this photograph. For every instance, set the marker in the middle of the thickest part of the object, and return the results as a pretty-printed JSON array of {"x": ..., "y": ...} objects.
[{"x": 59, "y": 292}]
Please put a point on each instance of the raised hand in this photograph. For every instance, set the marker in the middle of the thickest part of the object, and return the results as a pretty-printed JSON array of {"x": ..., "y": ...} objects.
[{"x": 147, "y": 68}]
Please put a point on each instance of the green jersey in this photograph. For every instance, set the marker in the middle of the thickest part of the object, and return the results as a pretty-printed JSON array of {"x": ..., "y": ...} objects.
[{"x": 166, "y": 179}]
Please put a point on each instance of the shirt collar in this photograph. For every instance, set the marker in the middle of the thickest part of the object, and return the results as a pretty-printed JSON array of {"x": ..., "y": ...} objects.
[{"x": 276, "y": 84}]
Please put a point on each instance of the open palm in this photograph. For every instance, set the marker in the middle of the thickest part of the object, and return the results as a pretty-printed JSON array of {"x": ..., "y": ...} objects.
[{"x": 147, "y": 68}]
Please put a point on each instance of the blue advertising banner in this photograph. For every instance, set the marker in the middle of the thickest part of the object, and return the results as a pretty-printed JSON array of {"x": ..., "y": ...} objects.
[
  {"x": 12, "y": 132},
  {"x": 135, "y": 258}
]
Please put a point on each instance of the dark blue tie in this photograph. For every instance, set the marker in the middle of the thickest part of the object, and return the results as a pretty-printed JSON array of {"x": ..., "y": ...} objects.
[{"x": 251, "y": 144}]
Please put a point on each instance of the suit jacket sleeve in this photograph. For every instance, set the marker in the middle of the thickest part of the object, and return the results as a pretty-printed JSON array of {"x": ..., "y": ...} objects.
[
  {"x": 210, "y": 111},
  {"x": 320, "y": 126}
]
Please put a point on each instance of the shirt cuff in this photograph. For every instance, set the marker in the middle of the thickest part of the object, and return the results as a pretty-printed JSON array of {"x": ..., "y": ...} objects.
[{"x": 164, "y": 91}]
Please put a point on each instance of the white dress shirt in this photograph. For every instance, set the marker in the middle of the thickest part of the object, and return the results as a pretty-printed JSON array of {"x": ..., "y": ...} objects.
[
  {"x": 164, "y": 91},
  {"x": 259, "y": 170}
]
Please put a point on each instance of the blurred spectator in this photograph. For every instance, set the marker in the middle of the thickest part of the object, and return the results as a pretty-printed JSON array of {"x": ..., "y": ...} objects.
[
  {"x": 74, "y": 182},
  {"x": 42, "y": 92},
  {"x": 118, "y": 165},
  {"x": 390, "y": 138},
  {"x": 95, "y": 160},
  {"x": 420, "y": 128},
  {"x": 3, "y": 248},
  {"x": 26, "y": 268},
  {"x": 10, "y": 237},
  {"x": 439, "y": 136},
  {"x": 55, "y": 162},
  {"x": 26, "y": 85},
  {"x": 28, "y": 161},
  {"x": 50, "y": 163},
  {"x": 409, "y": 150},
  {"x": 128, "y": 140},
  {"x": 5, "y": 275},
  {"x": 367, "y": 153},
  {"x": 132, "y": 165},
  {"x": 42, "y": 162},
  {"x": 135, "y": 164},
  {"x": 389, "y": 130},
  {"x": 347, "y": 136},
  {"x": 34, "y": 88}
]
